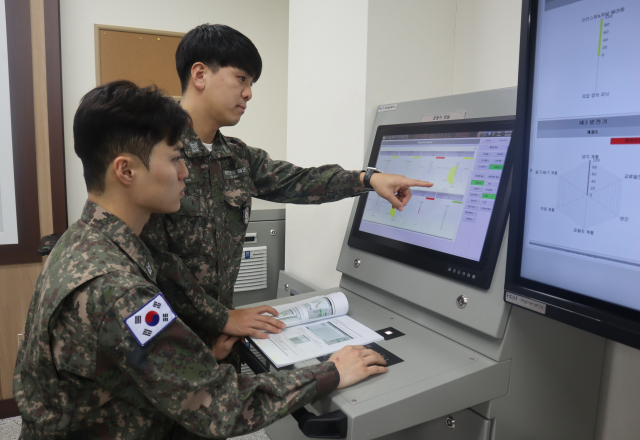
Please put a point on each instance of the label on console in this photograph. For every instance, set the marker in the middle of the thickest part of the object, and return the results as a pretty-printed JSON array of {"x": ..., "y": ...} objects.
[
  {"x": 525, "y": 302},
  {"x": 443, "y": 116},
  {"x": 387, "y": 108}
]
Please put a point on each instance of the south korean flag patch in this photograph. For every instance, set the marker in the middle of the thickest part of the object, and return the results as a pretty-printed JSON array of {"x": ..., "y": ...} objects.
[{"x": 151, "y": 319}]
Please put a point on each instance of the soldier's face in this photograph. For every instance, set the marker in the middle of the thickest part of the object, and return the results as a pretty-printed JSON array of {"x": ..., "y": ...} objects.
[
  {"x": 227, "y": 92},
  {"x": 160, "y": 188}
]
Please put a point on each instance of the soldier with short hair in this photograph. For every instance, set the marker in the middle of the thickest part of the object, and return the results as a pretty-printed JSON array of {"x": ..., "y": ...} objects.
[
  {"x": 104, "y": 354},
  {"x": 199, "y": 247}
]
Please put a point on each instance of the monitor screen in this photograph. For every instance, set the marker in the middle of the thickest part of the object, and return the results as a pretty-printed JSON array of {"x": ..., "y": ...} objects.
[
  {"x": 466, "y": 162},
  {"x": 578, "y": 212}
]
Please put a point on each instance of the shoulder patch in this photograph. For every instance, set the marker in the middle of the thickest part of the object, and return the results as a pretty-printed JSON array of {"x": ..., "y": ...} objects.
[{"x": 150, "y": 319}]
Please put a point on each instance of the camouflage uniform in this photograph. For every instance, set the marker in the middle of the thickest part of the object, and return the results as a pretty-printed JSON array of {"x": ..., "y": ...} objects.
[
  {"x": 82, "y": 374},
  {"x": 199, "y": 248}
]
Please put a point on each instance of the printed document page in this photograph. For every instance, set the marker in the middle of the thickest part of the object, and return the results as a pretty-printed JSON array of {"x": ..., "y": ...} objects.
[
  {"x": 312, "y": 309},
  {"x": 321, "y": 331}
]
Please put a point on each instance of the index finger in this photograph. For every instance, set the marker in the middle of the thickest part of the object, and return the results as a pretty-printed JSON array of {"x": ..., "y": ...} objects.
[
  {"x": 414, "y": 182},
  {"x": 266, "y": 309}
]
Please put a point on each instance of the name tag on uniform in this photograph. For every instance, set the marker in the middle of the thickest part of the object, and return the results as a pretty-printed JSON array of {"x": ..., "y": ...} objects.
[
  {"x": 150, "y": 320},
  {"x": 235, "y": 174}
]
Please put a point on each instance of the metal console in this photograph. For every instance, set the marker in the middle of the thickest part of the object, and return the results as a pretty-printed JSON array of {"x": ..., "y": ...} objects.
[{"x": 483, "y": 371}]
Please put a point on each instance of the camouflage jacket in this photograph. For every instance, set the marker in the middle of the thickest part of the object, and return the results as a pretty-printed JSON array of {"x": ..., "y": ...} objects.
[
  {"x": 199, "y": 247},
  {"x": 82, "y": 373}
]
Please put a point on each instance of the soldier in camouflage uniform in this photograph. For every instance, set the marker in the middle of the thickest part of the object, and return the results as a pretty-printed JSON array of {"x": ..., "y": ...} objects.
[
  {"x": 104, "y": 355},
  {"x": 199, "y": 248}
]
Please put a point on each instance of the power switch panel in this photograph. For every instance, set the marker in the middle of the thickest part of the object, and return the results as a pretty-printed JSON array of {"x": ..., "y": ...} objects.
[{"x": 389, "y": 333}]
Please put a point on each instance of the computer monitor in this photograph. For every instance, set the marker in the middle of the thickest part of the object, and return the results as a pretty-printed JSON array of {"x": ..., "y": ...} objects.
[
  {"x": 454, "y": 228},
  {"x": 574, "y": 244}
]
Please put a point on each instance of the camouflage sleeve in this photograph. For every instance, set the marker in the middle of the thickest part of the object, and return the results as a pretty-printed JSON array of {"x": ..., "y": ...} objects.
[
  {"x": 284, "y": 182},
  {"x": 178, "y": 374},
  {"x": 181, "y": 289}
]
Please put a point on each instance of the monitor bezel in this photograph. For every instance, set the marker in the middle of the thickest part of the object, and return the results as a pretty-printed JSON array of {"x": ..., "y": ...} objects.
[
  {"x": 603, "y": 318},
  {"x": 457, "y": 268}
]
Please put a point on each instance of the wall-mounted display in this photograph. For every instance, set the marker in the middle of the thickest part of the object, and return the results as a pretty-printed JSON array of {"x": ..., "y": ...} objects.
[
  {"x": 8, "y": 219},
  {"x": 19, "y": 217}
]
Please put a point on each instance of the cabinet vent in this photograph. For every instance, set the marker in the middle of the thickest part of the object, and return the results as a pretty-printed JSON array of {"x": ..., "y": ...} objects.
[{"x": 253, "y": 269}]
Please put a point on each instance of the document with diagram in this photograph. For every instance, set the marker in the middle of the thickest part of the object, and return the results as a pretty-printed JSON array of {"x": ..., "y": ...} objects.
[{"x": 315, "y": 327}]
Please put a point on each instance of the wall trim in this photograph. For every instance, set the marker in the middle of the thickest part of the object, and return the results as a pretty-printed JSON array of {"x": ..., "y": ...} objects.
[{"x": 54, "y": 112}]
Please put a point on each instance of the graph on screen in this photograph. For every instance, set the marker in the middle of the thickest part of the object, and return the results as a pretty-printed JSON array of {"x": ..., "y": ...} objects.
[
  {"x": 589, "y": 194},
  {"x": 603, "y": 49},
  {"x": 435, "y": 212},
  {"x": 449, "y": 173},
  {"x": 591, "y": 68},
  {"x": 427, "y": 215}
]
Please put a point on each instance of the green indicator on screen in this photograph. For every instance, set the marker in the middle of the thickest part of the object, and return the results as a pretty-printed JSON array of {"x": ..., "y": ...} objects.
[
  {"x": 496, "y": 167},
  {"x": 468, "y": 158},
  {"x": 489, "y": 196},
  {"x": 477, "y": 182},
  {"x": 456, "y": 201},
  {"x": 395, "y": 157},
  {"x": 600, "y": 40},
  {"x": 416, "y": 157},
  {"x": 452, "y": 174}
]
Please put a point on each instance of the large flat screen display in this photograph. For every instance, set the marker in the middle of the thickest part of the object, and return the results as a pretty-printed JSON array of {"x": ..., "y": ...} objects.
[
  {"x": 577, "y": 245},
  {"x": 449, "y": 222}
]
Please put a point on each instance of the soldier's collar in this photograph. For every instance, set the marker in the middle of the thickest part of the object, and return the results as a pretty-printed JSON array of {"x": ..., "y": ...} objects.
[
  {"x": 193, "y": 146},
  {"x": 122, "y": 235}
]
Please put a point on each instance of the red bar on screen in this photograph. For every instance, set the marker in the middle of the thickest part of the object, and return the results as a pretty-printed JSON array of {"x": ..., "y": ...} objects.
[{"x": 619, "y": 141}]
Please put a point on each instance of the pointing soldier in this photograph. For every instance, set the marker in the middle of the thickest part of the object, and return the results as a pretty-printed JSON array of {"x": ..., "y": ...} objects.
[
  {"x": 105, "y": 356},
  {"x": 199, "y": 248}
]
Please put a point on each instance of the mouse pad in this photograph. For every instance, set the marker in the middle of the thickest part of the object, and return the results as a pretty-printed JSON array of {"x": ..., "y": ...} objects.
[{"x": 391, "y": 358}]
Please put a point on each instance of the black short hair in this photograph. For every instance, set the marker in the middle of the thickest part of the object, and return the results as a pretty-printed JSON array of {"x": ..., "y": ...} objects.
[
  {"x": 216, "y": 46},
  {"x": 120, "y": 117}
]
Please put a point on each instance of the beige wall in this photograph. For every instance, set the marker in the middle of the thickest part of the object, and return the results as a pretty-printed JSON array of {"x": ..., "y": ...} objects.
[
  {"x": 327, "y": 87},
  {"x": 265, "y": 23},
  {"x": 410, "y": 46},
  {"x": 487, "y": 45}
]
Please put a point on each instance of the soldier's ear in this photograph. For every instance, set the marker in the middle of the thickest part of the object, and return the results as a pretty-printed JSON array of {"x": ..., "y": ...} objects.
[
  {"x": 124, "y": 168},
  {"x": 197, "y": 75}
]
